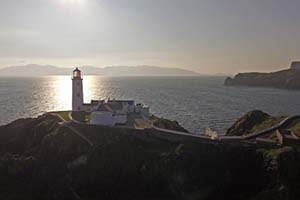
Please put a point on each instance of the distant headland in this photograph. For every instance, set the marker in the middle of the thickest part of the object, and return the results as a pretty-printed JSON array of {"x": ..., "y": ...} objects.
[{"x": 284, "y": 79}]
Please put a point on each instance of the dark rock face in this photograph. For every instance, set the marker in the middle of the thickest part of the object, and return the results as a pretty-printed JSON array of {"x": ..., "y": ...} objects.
[
  {"x": 39, "y": 159},
  {"x": 167, "y": 124},
  {"x": 285, "y": 79},
  {"x": 243, "y": 125}
]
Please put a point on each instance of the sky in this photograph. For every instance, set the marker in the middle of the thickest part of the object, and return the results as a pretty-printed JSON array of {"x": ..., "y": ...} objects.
[{"x": 207, "y": 36}]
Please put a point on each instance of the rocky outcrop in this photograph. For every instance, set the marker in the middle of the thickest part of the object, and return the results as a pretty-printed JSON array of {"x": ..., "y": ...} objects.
[
  {"x": 245, "y": 124},
  {"x": 285, "y": 79},
  {"x": 167, "y": 124},
  {"x": 41, "y": 159}
]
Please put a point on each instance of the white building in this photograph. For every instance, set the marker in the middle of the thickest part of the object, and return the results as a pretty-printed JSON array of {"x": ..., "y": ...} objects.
[
  {"x": 109, "y": 113},
  {"x": 105, "y": 115},
  {"x": 77, "y": 91},
  {"x": 103, "y": 118},
  {"x": 142, "y": 110},
  {"x": 295, "y": 65}
]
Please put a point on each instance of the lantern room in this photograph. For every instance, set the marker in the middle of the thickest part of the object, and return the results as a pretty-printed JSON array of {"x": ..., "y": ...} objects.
[{"x": 76, "y": 74}]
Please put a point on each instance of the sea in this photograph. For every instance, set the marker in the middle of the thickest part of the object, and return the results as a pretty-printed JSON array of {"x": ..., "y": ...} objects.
[{"x": 195, "y": 102}]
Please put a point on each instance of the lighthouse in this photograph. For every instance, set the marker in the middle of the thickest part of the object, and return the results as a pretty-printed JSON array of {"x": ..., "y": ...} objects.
[{"x": 77, "y": 91}]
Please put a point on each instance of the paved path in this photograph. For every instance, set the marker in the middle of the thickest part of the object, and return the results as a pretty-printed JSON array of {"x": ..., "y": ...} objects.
[
  {"x": 282, "y": 124},
  {"x": 251, "y": 136},
  {"x": 67, "y": 124},
  {"x": 246, "y": 138},
  {"x": 181, "y": 133}
]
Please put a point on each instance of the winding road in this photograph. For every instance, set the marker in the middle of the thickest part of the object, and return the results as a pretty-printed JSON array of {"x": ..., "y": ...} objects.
[{"x": 248, "y": 137}]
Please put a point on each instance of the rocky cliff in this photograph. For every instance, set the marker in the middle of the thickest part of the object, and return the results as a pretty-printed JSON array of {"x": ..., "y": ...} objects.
[
  {"x": 253, "y": 121},
  {"x": 42, "y": 159},
  {"x": 285, "y": 79},
  {"x": 167, "y": 124}
]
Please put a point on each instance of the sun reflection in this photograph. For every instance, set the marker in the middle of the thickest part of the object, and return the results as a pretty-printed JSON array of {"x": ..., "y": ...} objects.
[
  {"x": 62, "y": 91},
  {"x": 88, "y": 83}
]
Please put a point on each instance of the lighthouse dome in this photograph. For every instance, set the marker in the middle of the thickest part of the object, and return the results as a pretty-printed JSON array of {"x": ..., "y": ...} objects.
[{"x": 76, "y": 73}]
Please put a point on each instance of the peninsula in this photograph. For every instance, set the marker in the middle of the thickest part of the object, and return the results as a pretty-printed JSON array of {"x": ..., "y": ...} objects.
[
  {"x": 284, "y": 79},
  {"x": 46, "y": 158}
]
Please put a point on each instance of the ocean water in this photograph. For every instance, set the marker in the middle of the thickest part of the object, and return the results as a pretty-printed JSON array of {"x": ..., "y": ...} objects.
[{"x": 195, "y": 102}]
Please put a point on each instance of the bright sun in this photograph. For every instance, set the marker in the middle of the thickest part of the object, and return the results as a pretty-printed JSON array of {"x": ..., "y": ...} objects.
[{"x": 73, "y": 1}]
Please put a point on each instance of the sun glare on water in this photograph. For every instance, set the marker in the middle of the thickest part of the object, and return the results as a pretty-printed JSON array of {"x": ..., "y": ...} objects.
[{"x": 61, "y": 93}]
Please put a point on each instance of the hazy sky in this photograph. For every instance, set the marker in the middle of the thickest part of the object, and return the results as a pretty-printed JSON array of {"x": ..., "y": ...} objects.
[{"x": 208, "y": 36}]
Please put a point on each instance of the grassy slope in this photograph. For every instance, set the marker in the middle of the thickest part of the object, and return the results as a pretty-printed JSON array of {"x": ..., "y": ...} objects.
[
  {"x": 64, "y": 115},
  {"x": 268, "y": 123},
  {"x": 296, "y": 128}
]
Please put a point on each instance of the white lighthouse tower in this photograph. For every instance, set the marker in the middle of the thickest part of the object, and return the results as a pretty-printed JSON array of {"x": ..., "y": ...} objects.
[{"x": 77, "y": 91}]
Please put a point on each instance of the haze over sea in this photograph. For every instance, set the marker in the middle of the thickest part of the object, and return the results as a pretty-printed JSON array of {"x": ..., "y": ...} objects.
[{"x": 195, "y": 102}]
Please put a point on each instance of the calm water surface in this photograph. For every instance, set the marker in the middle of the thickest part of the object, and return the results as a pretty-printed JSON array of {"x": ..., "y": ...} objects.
[{"x": 196, "y": 102}]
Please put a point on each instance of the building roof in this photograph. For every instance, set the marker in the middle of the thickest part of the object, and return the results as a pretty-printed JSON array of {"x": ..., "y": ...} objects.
[
  {"x": 129, "y": 102},
  {"x": 76, "y": 70},
  {"x": 103, "y": 107},
  {"x": 96, "y": 102},
  {"x": 115, "y": 105}
]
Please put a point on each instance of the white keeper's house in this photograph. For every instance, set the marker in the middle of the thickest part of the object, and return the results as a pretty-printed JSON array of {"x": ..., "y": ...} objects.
[{"x": 109, "y": 112}]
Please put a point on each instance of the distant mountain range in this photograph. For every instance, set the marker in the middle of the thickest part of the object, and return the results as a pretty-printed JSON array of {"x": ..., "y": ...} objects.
[{"x": 48, "y": 70}]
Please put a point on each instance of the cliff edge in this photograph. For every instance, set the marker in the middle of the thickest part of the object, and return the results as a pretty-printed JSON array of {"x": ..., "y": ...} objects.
[{"x": 253, "y": 121}]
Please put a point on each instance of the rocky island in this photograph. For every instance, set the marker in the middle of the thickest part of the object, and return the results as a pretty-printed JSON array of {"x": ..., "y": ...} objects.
[
  {"x": 43, "y": 158},
  {"x": 284, "y": 79}
]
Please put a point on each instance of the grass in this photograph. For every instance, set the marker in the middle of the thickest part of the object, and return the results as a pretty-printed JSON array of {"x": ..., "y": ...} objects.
[
  {"x": 88, "y": 117},
  {"x": 296, "y": 128},
  {"x": 273, "y": 153},
  {"x": 81, "y": 116},
  {"x": 64, "y": 115},
  {"x": 268, "y": 123}
]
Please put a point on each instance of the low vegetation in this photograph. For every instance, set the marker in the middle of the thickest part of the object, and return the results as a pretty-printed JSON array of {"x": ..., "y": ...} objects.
[
  {"x": 267, "y": 123},
  {"x": 252, "y": 122},
  {"x": 296, "y": 129},
  {"x": 167, "y": 124},
  {"x": 81, "y": 116},
  {"x": 64, "y": 115},
  {"x": 40, "y": 159}
]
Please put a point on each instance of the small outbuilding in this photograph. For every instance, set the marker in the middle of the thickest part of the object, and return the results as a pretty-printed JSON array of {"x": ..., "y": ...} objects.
[
  {"x": 104, "y": 118},
  {"x": 295, "y": 65}
]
